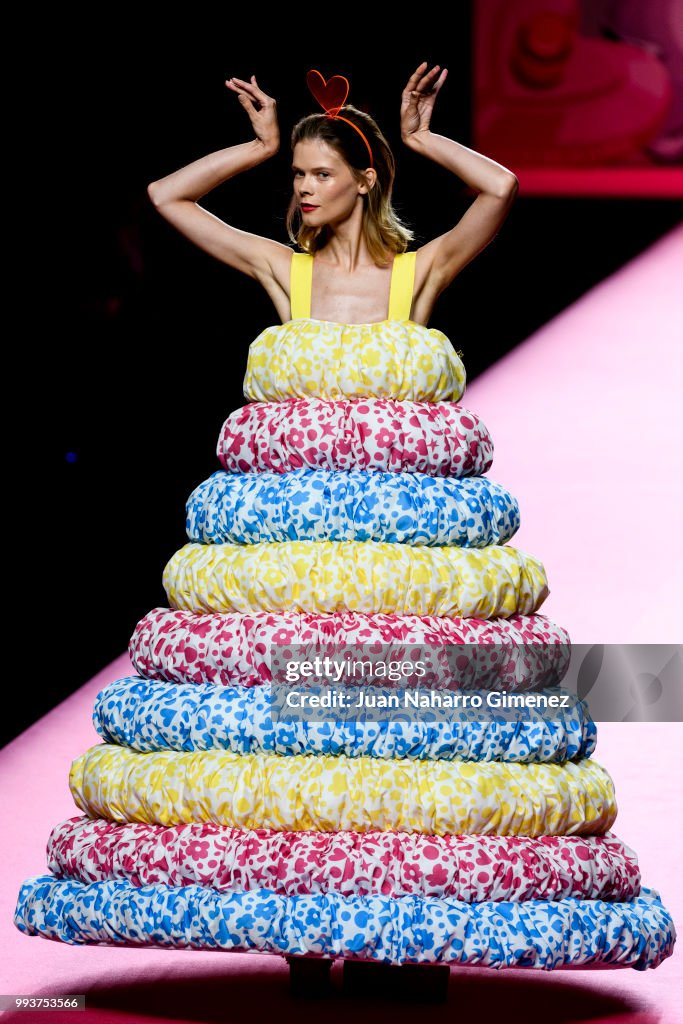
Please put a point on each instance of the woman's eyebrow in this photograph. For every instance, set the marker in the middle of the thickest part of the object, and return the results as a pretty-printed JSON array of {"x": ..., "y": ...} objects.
[{"x": 295, "y": 168}]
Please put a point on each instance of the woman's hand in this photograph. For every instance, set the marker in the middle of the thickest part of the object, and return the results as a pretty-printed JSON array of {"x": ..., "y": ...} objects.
[
  {"x": 417, "y": 101},
  {"x": 263, "y": 119}
]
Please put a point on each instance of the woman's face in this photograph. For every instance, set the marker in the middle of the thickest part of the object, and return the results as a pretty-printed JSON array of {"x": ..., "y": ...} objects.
[{"x": 323, "y": 181}]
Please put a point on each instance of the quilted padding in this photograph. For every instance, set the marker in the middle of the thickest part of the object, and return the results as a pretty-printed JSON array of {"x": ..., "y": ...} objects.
[
  {"x": 319, "y": 359},
  {"x": 397, "y": 508},
  {"x": 329, "y": 793},
  {"x": 391, "y": 929},
  {"x": 375, "y": 435},
  {"x": 149, "y": 716},
  {"x": 235, "y": 647},
  {"x": 469, "y": 868},
  {"x": 361, "y": 576}
]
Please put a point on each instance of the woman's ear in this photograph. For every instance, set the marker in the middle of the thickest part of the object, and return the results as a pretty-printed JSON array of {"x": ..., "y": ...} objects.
[{"x": 370, "y": 175}]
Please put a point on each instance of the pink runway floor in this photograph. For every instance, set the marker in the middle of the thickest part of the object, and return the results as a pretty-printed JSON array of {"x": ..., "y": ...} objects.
[
  {"x": 585, "y": 421},
  {"x": 587, "y": 429}
]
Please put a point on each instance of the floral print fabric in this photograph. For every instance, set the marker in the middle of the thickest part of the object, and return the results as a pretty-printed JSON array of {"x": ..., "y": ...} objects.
[
  {"x": 376, "y": 435},
  {"x": 469, "y": 868},
  {"x": 360, "y": 576},
  {"x": 235, "y": 647},
  {"x": 397, "y": 508},
  {"x": 146, "y": 716},
  {"x": 390, "y": 929},
  {"x": 337, "y": 792},
  {"x": 318, "y": 359}
]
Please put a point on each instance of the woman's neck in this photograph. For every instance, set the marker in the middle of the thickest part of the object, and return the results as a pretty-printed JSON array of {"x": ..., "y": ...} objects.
[
  {"x": 345, "y": 247},
  {"x": 344, "y": 256}
]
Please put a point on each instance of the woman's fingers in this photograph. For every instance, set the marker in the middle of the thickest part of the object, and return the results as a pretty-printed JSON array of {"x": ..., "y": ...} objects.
[
  {"x": 242, "y": 92},
  {"x": 240, "y": 83},
  {"x": 416, "y": 75},
  {"x": 256, "y": 87},
  {"x": 231, "y": 84},
  {"x": 248, "y": 86},
  {"x": 251, "y": 89},
  {"x": 431, "y": 88},
  {"x": 420, "y": 83},
  {"x": 442, "y": 79},
  {"x": 242, "y": 96},
  {"x": 426, "y": 84}
]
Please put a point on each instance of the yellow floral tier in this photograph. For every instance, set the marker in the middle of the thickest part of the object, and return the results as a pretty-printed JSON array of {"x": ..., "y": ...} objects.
[
  {"x": 308, "y": 358},
  {"x": 359, "y": 576},
  {"x": 329, "y": 793}
]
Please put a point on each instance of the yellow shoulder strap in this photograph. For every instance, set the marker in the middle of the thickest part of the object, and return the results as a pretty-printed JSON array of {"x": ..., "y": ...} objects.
[
  {"x": 402, "y": 283},
  {"x": 300, "y": 278},
  {"x": 400, "y": 294}
]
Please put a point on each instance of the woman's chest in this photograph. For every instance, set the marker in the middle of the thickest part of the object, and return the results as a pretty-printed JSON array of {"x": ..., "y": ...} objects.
[{"x": 360, "y": 297}]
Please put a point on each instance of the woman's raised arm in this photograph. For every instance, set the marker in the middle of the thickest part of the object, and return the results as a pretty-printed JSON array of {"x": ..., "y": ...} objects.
[
  {"x": 176, "y": 195},
  {"x": 446, "y": 255}
]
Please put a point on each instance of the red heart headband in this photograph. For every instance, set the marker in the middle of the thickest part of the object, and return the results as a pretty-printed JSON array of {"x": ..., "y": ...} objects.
[{"x": 331, "y": 96}]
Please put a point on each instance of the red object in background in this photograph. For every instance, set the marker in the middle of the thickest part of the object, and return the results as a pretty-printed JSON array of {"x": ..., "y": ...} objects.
[
  {"x": 542, "y": 46},
  {"x": 567, "y": 113}
]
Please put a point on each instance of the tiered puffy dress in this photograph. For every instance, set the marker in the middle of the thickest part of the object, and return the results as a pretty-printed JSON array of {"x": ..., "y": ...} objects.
[{"x": 351, "y": 507}]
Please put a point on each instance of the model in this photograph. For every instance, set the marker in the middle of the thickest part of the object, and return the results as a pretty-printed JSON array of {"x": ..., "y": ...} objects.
[{"x": 351, "y": 513}]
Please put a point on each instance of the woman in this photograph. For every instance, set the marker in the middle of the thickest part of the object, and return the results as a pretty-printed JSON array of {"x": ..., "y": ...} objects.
[
  {"x": 403, "y": 549},
  {"x": 347, "y": 220}
]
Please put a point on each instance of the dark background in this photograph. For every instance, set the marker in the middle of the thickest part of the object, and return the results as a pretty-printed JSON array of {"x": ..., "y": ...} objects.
[{"x": 136, "y": 342}]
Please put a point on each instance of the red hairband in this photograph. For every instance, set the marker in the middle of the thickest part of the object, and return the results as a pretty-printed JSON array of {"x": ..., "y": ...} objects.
[{"x": 331, "y": 96}]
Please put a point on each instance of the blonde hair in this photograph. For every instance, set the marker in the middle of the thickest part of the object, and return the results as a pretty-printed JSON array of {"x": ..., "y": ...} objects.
[{"x": 383, "y": 230}]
